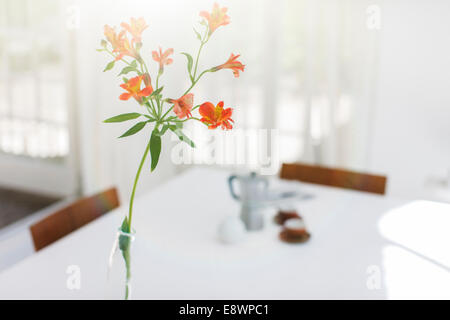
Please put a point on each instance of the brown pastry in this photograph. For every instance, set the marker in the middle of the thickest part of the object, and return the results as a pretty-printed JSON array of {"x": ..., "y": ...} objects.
[
  {"x": 294, "y": 231},
  {"x": 282, "y": 216}
]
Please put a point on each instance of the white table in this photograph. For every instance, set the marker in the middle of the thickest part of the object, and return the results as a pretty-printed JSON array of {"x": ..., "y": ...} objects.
[{"x": 363, "y": 246}]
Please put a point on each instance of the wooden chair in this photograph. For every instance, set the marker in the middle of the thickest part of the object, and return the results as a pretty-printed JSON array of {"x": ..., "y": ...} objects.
[
  {"x": 334, "y": 177},
  {"x": 76, "y": 215}
]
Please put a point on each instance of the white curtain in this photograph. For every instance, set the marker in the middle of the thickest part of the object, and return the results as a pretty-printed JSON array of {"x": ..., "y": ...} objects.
[
  {"x": 309, "y": 73},
  {"x": 329, "y": 63}
]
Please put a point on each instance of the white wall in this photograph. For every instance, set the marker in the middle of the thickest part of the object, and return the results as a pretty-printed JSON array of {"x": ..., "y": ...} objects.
[{"x": 411, "y": 132}]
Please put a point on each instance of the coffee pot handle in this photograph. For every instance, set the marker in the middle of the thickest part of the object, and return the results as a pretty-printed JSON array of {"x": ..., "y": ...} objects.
[{"x": 230, "y": 185}]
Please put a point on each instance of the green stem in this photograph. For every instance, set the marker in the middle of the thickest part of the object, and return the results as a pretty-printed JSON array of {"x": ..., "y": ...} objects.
[
  {"x": 130, "y": 213},
  {"x": 158, "y": 102},
  {"x": 174, "y": 120},
  {"x": 194, "y": 81},
  {"x": 198, "y": 56},
  {"x": 203, "y": 42},
  {"x": 123, "y": 60},
  {"x": 151, "y": 108},
  {"x": 145, "y": 66},
  {"x": 127, "y": 259},
  {"x": 186, "y": 92},
  {"x": 155, "y": 114},
  {"x": 154, "y": 108},
  {"x": 157, "y": 80},
  {"x": 165, "y": 114}
]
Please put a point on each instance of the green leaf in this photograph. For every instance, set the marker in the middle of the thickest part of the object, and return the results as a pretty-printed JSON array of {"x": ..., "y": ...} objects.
[
  {"x": 179, "y": 125},
  {"x": 103, "y": 43},
  {"x": 190, "y": 61},
  {"x": 127, "y": 70},
  {"x": 182, "y": 136},
  {"x": 155, "y": 147},
  {"x": 123, "y": 117},
  {"x": 156, "y": 92},
  {"x": 150, "y": 119},
  {"x": 134, "y": 129},
  {"x": 199, "y": 37},
  {"x": 109, "y": 66},
  {"x": 125, "y": 226},
  {"x": 163, "y": 130},
  {"x": 125, "y": 242},
  {"x": 125, "y": 80}
]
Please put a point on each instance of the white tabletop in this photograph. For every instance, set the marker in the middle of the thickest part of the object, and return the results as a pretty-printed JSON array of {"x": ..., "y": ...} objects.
[{"x": 363, "y": 246}]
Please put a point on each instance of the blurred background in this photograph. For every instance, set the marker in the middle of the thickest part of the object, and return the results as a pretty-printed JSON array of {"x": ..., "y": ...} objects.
[{"x": 353, "y": 84}]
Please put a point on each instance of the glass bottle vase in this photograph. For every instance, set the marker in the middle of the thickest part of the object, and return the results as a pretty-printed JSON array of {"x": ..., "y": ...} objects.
[{"x": 119, "y": 267}]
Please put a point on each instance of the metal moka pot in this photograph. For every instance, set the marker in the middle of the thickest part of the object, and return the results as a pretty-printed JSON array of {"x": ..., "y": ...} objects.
[{"x": 252, "y": 193}]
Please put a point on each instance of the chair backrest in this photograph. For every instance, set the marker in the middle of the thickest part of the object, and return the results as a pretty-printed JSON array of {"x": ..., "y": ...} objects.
[
  {"x": 64, "y": 221},
  {"x": 334, "y": 177}
]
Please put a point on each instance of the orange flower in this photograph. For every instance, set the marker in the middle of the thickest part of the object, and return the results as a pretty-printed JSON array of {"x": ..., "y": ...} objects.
[
  {"x": 133, "y": 86},
  {"x": 232, "y": 64},
  {"x": 135, "y": 29},
  {"x": 162, "y": 58},
  {"x": 216, "y": 116},
  {"x": 183, "y": 106},
  {"x": 126, "y": 49},
  {"x": 112, "y": 36},
  {"x": 218, "y": 17},
  {"x": 120, "y": 43}
]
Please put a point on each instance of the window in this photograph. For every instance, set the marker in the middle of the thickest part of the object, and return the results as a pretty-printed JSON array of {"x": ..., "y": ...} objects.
[
  {"x": 310, "y": 75},
  {"x": 33, "y": 106}
]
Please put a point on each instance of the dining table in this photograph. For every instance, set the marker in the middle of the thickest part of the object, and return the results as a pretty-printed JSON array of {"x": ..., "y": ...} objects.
[{"x": 362, "y": 246}]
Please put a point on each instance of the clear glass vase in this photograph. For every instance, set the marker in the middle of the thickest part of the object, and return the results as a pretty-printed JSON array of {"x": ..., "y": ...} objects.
[{"x": 119, "y": 267}]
